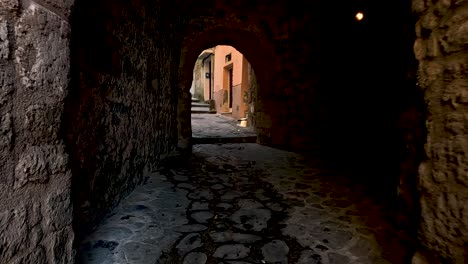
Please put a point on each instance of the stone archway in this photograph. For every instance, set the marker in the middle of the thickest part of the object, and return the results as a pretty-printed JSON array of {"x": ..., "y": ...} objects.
[{"x": 258, "y": 52}]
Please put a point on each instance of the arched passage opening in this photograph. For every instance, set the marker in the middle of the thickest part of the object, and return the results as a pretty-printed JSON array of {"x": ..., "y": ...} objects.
[
  {"x": 260, "y": 56},
  {"x": 224, "y": 92}
]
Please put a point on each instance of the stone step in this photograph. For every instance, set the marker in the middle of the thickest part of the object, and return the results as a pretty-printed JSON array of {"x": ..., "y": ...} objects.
[
  {"x": 195, "y": 104},
  {"x": 195, "y": 100},
  {"x": 202, "y": 110},
  {"x": 223, "y": 140}
]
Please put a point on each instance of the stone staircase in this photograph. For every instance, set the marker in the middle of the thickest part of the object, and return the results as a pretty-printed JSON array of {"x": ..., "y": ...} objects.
[{"x": 200, "y": 107}]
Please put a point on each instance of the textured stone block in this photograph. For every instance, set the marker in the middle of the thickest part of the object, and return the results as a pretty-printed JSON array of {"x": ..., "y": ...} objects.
[
  {"x": 57, "y": 160},
  {"x": 457, "y": 123},
  {"x": 9, "y": 5},
  {"x": 433, "y": 71},
  {"x": 60, "y": 7},
  {"x": 456, "y": 93},
  {"x": 14, "y": 230},
  {"x": 37, "y": 255},
  {"x": 419, "y": 49},
  {"x": 35, "y": 214},
  {"x": 62, "y": 246},
  {"x": 36, "y": 236},
  {"x": 4, "y": 43},
  {"x": 38, "y": 163},
  {"x": 58, "y": 210},
  {"x": 42, "y": 122},
  {"x": 43, "y": 59},
  {"x": 457, "y": 35},
  {"x": 31, "y": 167},
  {"x": 6, "y": 87},
  {"x": 6, "y": 132},
  {"x": 429, "y": 21},
  {"x": 433, "y": 48}
]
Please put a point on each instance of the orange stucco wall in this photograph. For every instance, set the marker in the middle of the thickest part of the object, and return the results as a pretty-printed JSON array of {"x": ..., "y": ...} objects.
[{"x": 221, "y": 81}]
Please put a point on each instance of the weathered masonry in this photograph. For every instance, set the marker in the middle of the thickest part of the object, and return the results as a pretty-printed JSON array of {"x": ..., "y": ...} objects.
[{"x": 95, "y": 94}]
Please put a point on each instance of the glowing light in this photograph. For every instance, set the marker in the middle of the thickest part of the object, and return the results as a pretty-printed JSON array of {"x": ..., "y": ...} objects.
[{"x": 359, "y": 16}]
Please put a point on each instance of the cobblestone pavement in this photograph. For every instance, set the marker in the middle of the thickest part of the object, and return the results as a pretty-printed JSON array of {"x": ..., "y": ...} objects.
[
  {"x": 241, "y": 204},
  {"x": 217, "y": 126}
]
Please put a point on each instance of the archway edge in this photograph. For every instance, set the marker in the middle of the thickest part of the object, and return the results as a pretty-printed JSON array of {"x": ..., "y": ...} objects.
[{"x": 259, "y": 52}]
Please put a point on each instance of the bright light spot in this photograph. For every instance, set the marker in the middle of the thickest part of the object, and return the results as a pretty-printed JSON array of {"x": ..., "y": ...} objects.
[{"x": 359, "y": 16}]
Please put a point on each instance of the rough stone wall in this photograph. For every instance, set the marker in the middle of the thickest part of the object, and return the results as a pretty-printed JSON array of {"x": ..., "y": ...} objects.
[
  {"x": 121, "y": 112},
  {"x": 441, "y": 45},
  {"x": 35, "y": 180}
]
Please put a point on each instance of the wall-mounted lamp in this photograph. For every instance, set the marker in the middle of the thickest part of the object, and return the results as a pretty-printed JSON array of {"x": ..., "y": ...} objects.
[{"x": 359, "y": 16}]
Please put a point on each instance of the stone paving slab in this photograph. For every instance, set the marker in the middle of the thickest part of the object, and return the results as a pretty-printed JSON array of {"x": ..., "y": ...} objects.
[
  {"x": 245, "y": 203},
  {"x": 202, "y": 110},
  {"x": 218, "y": 126}
]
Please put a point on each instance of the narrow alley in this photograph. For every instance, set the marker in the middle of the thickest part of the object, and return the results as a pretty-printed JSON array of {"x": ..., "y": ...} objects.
[
  {"x": 233, "y": 132},
  {"x": 233, "y": 204},
  {"x": 209, "y": 128}
]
